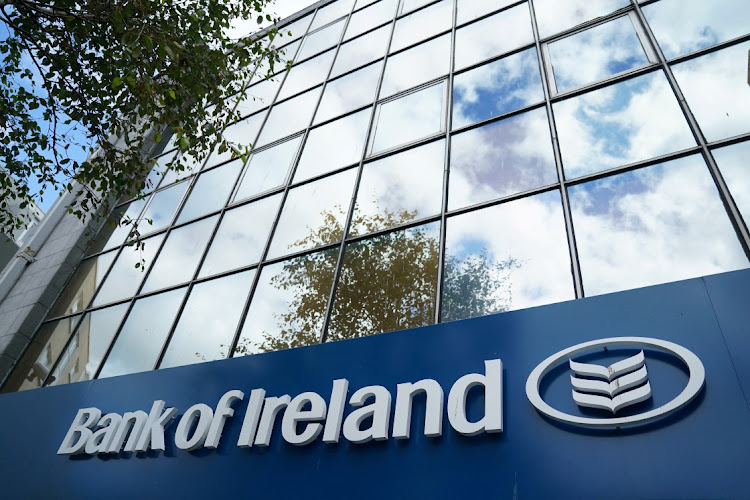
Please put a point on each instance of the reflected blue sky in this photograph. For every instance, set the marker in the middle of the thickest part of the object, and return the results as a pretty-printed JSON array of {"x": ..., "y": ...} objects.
[{"x": 497, "y": 88}]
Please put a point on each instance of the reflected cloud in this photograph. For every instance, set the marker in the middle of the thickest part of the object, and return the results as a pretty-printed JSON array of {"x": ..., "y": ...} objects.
[
  {"x": 422, "y": 24},
  {"x": 554, "y": 16},
  {"x": 417, "y": 65},
  {"x": 268, "y": 169},
  {"x": 206, "y": 328},
  {"x": 411, "y": 117},
  {"x": 596, "y": 53},
  {"x": 361, "y": 51},
  {"x": 624, "y": 123},
  {"x": 717, "y": 91},
  {"x": 142, "y": 336},
  {"x": 500, "y": 159},
  {"x": 685, "y": 26},
  {"x": 348, "y": 136},
  {"x": 211, "y": 191},
  {"x": 372, "y": 16},
  {"x": 241, "y": 237},
  {"x": 349, "y": 92},
  {"x": 653, "y": 225},
  {"x": 181, "y": 254},
  {"x": 387, "y": 196},
  {"x": 479, "y": 41},
  {"x": 733, "y": 163}
]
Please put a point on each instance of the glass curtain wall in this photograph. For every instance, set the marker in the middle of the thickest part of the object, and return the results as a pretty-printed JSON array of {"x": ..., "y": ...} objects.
[{"x": 428, "y": 161}]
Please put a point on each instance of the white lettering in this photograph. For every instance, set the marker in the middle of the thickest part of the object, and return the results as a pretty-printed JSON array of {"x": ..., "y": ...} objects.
[
  {"x": 79, "y": 431},
  {"x": 379, "y": 410},
  {"x": 433, "y": 419},
  {"x": 205, "y": 415},
  {"x": 492, "y": 381},
  {"x": 252, "y": 416},
  {"x": 223, "y": 411},
  {"x": 295, "y": 413}
]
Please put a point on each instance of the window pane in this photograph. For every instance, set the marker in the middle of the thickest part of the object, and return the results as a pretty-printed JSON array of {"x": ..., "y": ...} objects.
[
  {"x": 211, "y": 191},
  {"x": 624, "y": 123},
  {"x": 142, "y": 337},
  {"x": 734, "y": 162},
  {"x": 289, "y": 304},
  {"x": 368, "y": 18},
  {"x": 314, "y": 214},
  {"x": 417, "y": 65},
  {"x": 554, "y": 16},
  {"x": 468, "y": 10},
  {"x": 181, "y": 254},
  {"x": 479, "y": 41},
  {"x": 124, "y": 278},
  {"x": 89, "y": 345},
  {"x": 157, "y": 171},
  {"x": 413, "y": 116},
  {"x": 350, "y": 92},
  {"x": 161, "y": 209},
  {"x": 522, "y": 262},
  {"x": 717, "y": 91},
  {"x": 653, "y": 225},
  {"x": 243, "y": 133},
  {"x": 289, "y": 117},
  {"x": 206, "y": 328},
  {"x": 188, "y": 166},
  {"x": 321, "y": 40},
  {"x": 297, "y": 29},
  {"x": 348, "y": 134},
  {"x": 41, "y": 354},
  {"x": 259, "y": 96},
  {"x": 422, "y": 24},
  {"x": 400, "y": 188},
  {"x": 331, "y": 12},
  {"x": 307, "y": 74},
  {"x": 81, "y": 287},
  {"x": 496, "y": 88},
  {"x": 387, "y": 283},
  {"x": 241, "y": 237},
  {"x": 115, "y": 235},
  {"x": 500, "y": 159},
  {"x": 361, "y": 51},
  {"x": 268, "y": 169},
  {"x": 685, "y": 26},
  {"x": 596, "y": 53}
]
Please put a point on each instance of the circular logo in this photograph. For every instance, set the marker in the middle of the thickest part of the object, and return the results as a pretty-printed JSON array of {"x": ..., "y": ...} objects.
[{"x": 622, "y": 383}]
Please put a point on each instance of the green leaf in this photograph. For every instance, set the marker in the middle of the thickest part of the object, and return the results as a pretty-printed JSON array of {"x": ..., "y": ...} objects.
[
  {"x": 172, "y": 94},
  {"x": 116, "y": 82}
]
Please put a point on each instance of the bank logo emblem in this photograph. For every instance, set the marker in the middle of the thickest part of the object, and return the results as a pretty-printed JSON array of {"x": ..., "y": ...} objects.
[{"x": 615, "y": 387}]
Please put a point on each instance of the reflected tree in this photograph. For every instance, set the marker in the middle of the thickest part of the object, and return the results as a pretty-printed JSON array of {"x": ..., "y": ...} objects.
[{"x": 388, "y": 282}]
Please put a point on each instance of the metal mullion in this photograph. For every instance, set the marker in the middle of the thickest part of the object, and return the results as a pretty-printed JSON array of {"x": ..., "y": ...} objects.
[
  {"x": 611, "y": 80},
  {"x": 403, "y": 147},
  {"x": 567, "y": 215},
  {"x": 352, "y": 203},
  {"x": 729, "y": 204},
  {"x": 446, "y": 170},
  {"x": 344, "y": 115},
  {"x": 503, "y": 200},
  {"x": 263, "y": 262},
  {"x": 354, "y": 70},
  {"x": 198, "y": 267},
  {"x": 400, "y": 15},
  {"x": 415, "y": 44},
  {"x": 633, "y": 166},
  {"x": 394, "y": 229},
  {"x": 729, "y": 141},
  {"x": 498, "y": 118}
]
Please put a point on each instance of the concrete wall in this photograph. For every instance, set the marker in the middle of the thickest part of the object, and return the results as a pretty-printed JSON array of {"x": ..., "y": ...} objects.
[{"x": 29, "y": 289}]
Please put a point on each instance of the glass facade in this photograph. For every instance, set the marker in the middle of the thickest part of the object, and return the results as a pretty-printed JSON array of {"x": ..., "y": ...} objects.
[{"x": 429, "y": 161}]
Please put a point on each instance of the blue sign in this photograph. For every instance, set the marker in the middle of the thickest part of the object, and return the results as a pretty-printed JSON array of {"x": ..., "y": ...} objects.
[{"x": 700, "y": 450}]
